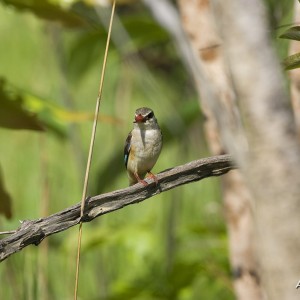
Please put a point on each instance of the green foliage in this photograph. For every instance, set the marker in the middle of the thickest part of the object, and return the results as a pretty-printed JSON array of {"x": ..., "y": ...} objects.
[
  {"x": 292, "y": 62},
  {"x": 47, "y": 10},
  {"x": 13, "y": 115},
  {"x": 292, "y": 33},
  {"x": 5, "y": 199}
]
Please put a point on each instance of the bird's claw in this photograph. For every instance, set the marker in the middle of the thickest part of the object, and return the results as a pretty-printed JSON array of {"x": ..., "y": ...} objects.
[{"x": 154, "y": 177}]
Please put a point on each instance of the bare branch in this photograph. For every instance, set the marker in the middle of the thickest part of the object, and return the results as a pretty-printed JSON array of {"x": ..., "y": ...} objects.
[
  {"x": 34, "y": 231},
  {"x": 7, "y": 232}
]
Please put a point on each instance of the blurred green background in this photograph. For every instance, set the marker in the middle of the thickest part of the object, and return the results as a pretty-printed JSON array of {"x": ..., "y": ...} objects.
[{"x": 172, "y": 246}]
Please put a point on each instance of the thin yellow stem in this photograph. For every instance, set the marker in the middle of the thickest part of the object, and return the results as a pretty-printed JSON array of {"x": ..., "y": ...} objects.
[{"x": 92, "y": 142}]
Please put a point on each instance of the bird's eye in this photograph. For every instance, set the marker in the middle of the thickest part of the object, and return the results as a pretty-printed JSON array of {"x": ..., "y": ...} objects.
[{"x": 150, "y": 115}]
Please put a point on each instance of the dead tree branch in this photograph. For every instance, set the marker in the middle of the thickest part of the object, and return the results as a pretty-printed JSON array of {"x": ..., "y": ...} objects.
[{"x": 34, "y": 231}]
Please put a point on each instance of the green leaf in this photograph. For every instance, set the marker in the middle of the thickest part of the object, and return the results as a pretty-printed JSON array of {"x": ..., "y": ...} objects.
[
  {"x": 292, "y": 62},
  {"x": 292, "y": 33},
  {"x": 12, "y": 113},
  {"x": 138, "y": 25},
  {"x": 5, "y": 199},
  {"x": 87, "y": 49},
  {"x": 47, "y": 10}
]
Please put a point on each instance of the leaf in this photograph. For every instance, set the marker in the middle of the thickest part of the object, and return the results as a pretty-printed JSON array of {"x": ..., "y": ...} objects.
[
  {"x": 49, "y": 112},
  {"x": 292, "y": 33},
  {"x": 5, "y": 199},
  {"x": 47, "y": 10},
  {"x": 12, "y": 113},
  {"x": 138, "y": 25},
  {"x": 22, "y": 110},
  {"x": 84, "y": 52},
  {"x": 89, "y": 47},
  {"x": 292, "y": 62}
]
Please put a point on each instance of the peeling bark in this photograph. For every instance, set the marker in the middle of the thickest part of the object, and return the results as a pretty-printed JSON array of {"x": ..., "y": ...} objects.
[
  {"x": 199, "y": 23},
  {"x": 271, "y": 165}
]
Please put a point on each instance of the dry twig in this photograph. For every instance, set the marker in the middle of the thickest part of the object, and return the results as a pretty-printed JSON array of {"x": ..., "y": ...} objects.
[{"x": 34, "y": 231}]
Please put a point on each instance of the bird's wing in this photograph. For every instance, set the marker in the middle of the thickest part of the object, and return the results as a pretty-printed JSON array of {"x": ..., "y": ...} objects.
[{"x": 127, "y": 148}]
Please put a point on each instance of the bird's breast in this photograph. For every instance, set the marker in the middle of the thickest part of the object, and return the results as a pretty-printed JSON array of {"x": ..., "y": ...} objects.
[
  {"x": 147, "y": 143},
  {"x": 145, "y": 149}
]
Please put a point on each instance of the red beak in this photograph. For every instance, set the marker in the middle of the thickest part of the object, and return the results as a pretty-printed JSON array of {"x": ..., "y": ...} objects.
[{"x": 139, "y": 119}]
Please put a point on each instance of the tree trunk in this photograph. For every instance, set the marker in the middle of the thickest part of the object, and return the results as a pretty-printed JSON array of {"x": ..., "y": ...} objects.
[
  {"x": 198, "y": 21},
  {"x": 271, "y": 164}
]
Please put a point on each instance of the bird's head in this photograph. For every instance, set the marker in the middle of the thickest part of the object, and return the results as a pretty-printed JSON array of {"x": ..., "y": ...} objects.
[{"x": 144, "y": 115}]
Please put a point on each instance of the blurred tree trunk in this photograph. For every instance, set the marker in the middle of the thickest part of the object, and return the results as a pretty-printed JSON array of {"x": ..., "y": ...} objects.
[
  {"x": 200, "y": 27},
  {"x": 295, "y": 74},
  {"x": 271, "y": 161}
]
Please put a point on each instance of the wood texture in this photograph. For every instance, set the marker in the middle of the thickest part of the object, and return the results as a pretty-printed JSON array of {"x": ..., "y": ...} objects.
[
  {"x": 271, "y": 165},
  {"x": 34, "y": 231},
  {"x": 223, "y": 130}
]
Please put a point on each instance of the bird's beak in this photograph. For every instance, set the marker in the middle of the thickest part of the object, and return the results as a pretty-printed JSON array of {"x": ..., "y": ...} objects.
[{"x": 139, "y": 119}]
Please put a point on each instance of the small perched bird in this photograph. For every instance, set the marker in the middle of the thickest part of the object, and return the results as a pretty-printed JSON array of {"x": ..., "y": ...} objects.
[{"x": 142, "y": 146}]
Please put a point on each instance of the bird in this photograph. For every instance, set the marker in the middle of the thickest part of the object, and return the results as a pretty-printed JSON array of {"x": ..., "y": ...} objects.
[{"x": 143, "y": 146}]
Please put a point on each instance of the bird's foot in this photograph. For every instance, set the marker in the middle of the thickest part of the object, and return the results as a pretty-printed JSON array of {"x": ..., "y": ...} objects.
[
  {"x": 142, "y": 181},
  {"x": 154, "y": 177}
]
